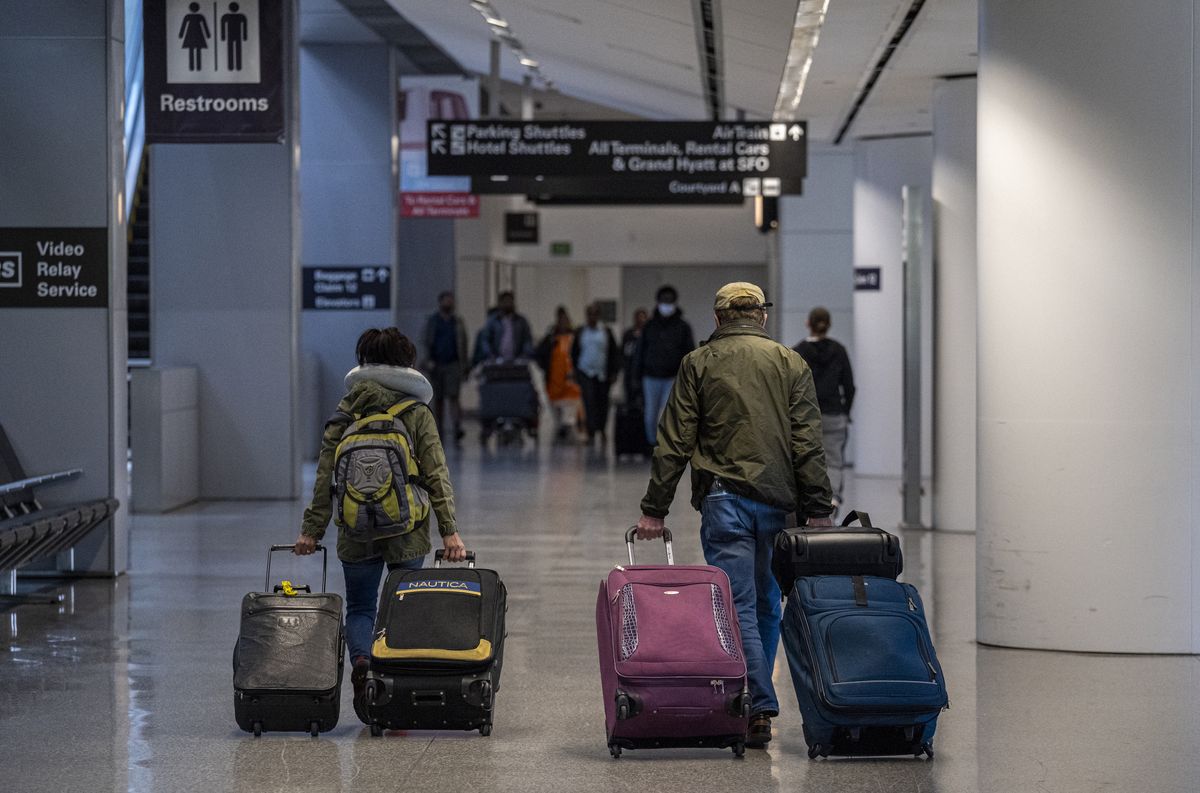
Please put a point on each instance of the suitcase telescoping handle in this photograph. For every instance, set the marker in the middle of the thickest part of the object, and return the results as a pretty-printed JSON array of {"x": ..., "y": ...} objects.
[
  {"x": 439, "y": 556},
  {"x": 631, "y": 535},
  {"x": 863, "y": 519},
  {"x": 276, "y": 548}
]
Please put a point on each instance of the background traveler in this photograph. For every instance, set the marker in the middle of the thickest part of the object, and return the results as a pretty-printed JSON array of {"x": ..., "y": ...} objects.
[
  {"x": 597, "y": 361},
  {"x": 382, "y": 379},
  {"x": 834, "y": 381},
  {"x": 446, "y": 361},
  {"x": 665, "y": 340},
  {"x": 744, "y": 413},
  {"x": 553, "y": 355},
  {"x": 629, "y": 344},
  {"x": 507, "y": 337}
]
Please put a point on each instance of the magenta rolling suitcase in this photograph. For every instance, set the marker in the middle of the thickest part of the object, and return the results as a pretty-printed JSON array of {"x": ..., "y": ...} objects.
[{"x": 671, "y": 660}]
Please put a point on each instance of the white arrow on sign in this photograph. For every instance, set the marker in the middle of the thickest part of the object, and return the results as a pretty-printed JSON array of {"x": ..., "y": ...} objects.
[
  {"x": 437, "y": 146},
  {"x": 439, "y": 131},
  {"x": 796, "y": 132},
  {"x": 382, "y": 275}
]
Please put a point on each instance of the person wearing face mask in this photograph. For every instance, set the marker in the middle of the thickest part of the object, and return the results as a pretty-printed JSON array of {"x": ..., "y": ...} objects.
[
  {"x": 744, "y": 414},
  {"x": 665, "y": 340}
]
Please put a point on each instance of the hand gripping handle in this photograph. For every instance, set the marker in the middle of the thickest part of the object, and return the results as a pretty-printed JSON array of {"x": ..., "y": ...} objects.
[
  {"x": 324, "y": 563},
  {"x": 631, "y": 535}
]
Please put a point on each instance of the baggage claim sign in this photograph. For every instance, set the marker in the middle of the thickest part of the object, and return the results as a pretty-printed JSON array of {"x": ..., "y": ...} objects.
[
  {"x": 672, "y": 158},
  {"x": 214, "y": 71}
]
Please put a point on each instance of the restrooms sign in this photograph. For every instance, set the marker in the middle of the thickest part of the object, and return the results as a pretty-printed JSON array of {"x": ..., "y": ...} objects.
[{"x": 215, "y": 71}]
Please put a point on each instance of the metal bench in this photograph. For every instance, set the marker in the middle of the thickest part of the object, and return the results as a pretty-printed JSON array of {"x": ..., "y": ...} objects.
[{"x": 29, "y": 531}]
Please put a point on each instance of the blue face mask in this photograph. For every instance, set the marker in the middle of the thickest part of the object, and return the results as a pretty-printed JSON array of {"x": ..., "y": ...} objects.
[{"x": 666, "y": 309}]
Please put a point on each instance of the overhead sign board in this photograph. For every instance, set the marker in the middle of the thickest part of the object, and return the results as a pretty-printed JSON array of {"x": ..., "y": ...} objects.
[
  {"x": 422, "y": 99},
  {"x": 214, "y": 71},
  {"x": 621, "y": 149},
  {"x": 868, "y": 279},
  {"x": 54, "y": 268},
  {"x": 521, "y": 228},
  {"x": 629, "y": 190},
  {"x": 347, "y": 288}
]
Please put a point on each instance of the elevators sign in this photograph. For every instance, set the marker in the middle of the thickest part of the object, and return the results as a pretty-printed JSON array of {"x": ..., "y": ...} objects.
[
  {"x": 54, "y": 268},
  {"x": 347, "y": 288},
  {"x": 214, "y": 71}
]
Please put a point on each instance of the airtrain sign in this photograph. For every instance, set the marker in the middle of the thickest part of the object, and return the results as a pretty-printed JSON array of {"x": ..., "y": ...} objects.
[{"x": 616, "y": 150}]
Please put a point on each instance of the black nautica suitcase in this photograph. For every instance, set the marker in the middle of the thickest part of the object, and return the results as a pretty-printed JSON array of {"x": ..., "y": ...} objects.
[
  {"x": 438, "y": 649},
  {"x": 287, "y": 664}
]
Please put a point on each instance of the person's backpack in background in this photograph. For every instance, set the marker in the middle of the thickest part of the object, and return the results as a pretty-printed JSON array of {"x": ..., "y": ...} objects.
[{"x": 376, "y": 492}]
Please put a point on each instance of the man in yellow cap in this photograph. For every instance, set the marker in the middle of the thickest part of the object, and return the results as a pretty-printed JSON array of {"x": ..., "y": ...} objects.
[{"x": 744, "y": 413}]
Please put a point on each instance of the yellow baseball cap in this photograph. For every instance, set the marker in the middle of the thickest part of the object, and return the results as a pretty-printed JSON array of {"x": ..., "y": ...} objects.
[{"x": 739, "y": 289}]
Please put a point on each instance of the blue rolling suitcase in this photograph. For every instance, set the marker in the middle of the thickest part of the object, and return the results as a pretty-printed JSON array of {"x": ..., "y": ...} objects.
[{"x": 862, "y": 661}]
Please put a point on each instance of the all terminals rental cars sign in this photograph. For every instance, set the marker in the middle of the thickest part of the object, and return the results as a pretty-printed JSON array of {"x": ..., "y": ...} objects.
[{"x": 774, "y": 155}]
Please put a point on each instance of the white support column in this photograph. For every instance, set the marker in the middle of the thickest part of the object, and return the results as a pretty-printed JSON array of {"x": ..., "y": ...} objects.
[
  {"x": 954, "y": 305},
  {"x": 1089, "y": 378}
]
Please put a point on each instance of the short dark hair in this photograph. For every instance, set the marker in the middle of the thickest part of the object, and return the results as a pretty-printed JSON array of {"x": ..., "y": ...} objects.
[
  {"x": 504, "y": 294},
  {"x": 445, "y": 295},
  {"x": 819, "y": 320},
  {"x": 742, "y": 308},
  {"x": 387, "y": 346},
  {"x": 666, "y": 293}
]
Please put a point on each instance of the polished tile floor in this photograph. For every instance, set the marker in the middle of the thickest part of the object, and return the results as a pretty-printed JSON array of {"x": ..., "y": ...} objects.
[{"x": 127, "y": 686}]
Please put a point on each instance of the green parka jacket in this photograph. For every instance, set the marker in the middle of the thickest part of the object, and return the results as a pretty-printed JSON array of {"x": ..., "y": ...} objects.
[
  {"x": 371, "y": 397},
  {"x": 744, "y": 409}
]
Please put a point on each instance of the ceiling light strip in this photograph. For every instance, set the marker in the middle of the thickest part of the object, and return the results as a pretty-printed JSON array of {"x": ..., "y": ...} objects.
[
  {"x": 880, "y": 64},
  {"x": 503, "y": 31},
  {"x": 806, "y": 32},
  {"x": 710, "y": 43}
]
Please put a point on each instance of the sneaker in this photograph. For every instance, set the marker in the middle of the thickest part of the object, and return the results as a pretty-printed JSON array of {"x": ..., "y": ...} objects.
[
  {"x": 358, "y": 679},
  {"x": 759, "y": 733}
]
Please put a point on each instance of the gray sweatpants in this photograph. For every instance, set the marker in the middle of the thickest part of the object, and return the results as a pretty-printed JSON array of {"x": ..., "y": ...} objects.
[{"x": 833, "y": 437}]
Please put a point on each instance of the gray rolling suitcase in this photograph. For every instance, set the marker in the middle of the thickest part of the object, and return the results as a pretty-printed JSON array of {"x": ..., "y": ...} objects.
[{"x": 287, "y": 664}]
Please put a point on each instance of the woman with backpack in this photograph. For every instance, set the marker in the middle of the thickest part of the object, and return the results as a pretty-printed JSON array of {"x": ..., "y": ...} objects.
[{"x": 380, "y": 473}]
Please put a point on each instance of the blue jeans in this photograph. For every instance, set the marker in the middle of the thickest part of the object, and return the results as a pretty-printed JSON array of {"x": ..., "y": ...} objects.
[
  {"x": 655, "y": 391},
  {"x": 362, "y": 600},
  {"x": 738, "y": 534}
]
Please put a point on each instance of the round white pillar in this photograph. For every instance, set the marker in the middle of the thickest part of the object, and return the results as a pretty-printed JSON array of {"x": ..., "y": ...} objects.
[{"x": 1088, "y": 340}]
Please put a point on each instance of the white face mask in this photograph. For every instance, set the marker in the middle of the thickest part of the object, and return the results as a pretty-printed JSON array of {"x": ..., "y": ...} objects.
[{"x": 666, "y": 309}]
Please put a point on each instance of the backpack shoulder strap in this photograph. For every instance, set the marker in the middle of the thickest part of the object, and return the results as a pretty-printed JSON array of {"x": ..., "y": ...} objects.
[{"x": 403, "y": 406}]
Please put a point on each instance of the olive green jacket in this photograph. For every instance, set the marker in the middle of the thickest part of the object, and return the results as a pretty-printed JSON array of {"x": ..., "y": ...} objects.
[
  {"x": 371, "y": 397},
  {"x": 744, "y": 409}
]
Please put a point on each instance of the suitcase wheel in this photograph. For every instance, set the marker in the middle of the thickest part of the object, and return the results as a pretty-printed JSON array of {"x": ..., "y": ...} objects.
[
  {"x": 258, "y": 729},
  {"x": 314, "y": 729},
  {"x": 485, "y": 694},
  {"x": 614, "y": 750},
  {"x": 739, "y": 749},
  {"x": 925, "y": 749},
  {"x": 813, "y": 751},
  {"x": 486, "y": 729},
  {"x": 376, "y": 731}
]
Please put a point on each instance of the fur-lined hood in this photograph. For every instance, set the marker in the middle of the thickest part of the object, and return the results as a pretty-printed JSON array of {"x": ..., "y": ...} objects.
[{"x": 400, "y": 379}]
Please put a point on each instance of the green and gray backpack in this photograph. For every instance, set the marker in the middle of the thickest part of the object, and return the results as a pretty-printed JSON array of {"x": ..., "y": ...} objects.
[{"x": 376, "y": 487}]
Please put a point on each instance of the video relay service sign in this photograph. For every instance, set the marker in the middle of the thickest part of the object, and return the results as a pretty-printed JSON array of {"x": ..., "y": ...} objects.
[
  {"x": 214, "y": 71},
  {"x": 54, "y": 268}
]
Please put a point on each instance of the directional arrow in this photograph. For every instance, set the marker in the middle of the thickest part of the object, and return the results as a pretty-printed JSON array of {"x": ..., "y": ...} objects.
[
  {"x": 382, "y": 275},
  {"x": 796, "y": 131},
  {"x": 437, "y": 146},
  {"x": 439, "y": 131}
]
